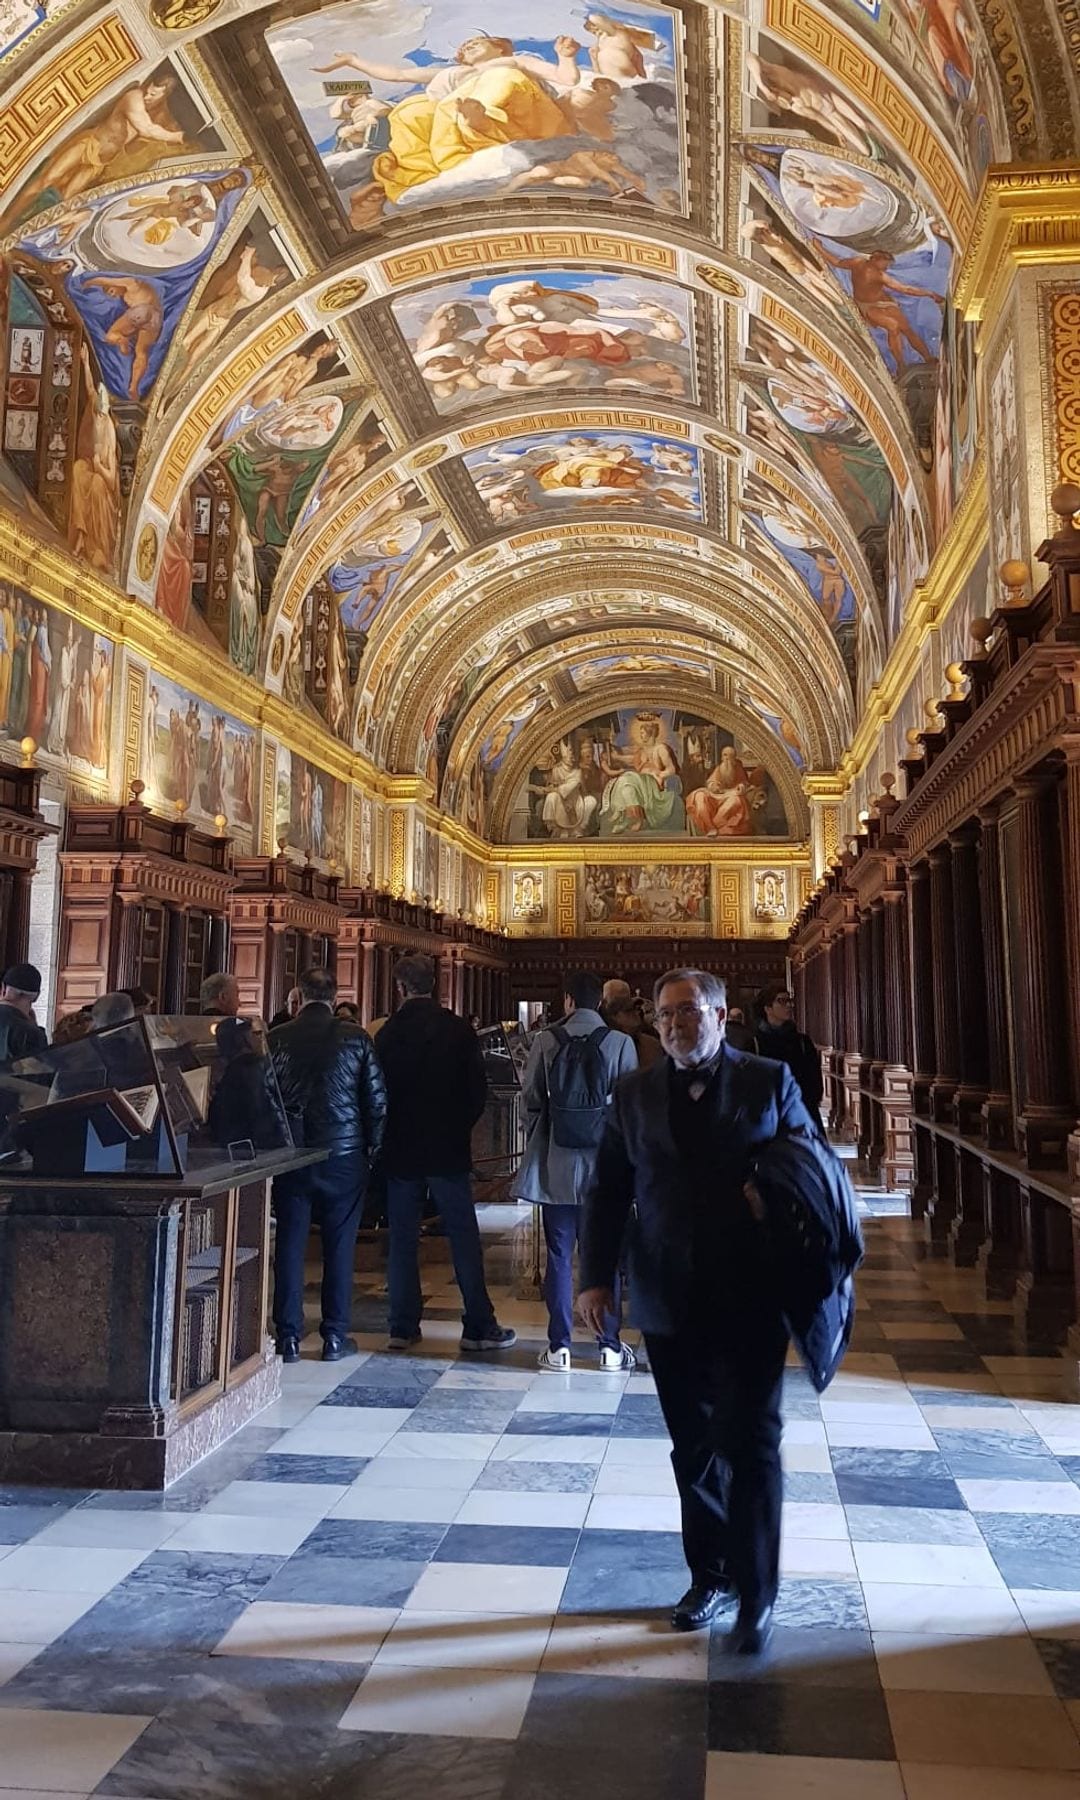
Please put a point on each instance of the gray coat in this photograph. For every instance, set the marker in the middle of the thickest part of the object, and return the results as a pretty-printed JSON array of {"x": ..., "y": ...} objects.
[{"x": 552, "y": 1172}]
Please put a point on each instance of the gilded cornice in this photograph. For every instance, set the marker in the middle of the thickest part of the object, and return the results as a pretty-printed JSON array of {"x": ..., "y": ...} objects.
[
  {"x": 927, "y": 611},
  {"x": 781, "y": 853},
  {"x": 1026, "y": 215}
]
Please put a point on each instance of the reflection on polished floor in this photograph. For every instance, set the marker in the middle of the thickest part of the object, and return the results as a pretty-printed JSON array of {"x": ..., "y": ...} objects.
[{"x": 415, "y": 1576}]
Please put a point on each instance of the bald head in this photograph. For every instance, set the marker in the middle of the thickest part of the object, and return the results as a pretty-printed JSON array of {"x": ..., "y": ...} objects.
[{"x": 617, "y": 996}]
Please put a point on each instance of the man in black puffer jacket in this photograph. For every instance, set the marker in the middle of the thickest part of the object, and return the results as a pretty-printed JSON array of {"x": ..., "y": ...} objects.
[{"x": 335, "y": 1097}]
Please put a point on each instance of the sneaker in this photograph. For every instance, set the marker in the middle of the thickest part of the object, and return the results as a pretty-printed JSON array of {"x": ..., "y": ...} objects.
[
  {"x": 621, "y": 1359},
  {"x": 496, "y": 1337},
  {"x": 556, "y": 1360},
  {"x": 400, "y": 1340}
]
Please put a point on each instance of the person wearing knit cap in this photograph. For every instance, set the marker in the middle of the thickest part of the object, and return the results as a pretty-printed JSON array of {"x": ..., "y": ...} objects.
[{"x": 20, "y": 1034}]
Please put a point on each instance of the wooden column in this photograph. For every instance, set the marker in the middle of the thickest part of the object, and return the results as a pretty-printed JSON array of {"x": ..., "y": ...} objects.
[
  {"x": 970, "y": 979},
  {"x": 922, "y": 986},
  {"x": 896, "y": 1075},
  {"x": 998, "y": 1106},
  {"x": 1070, "y": 803},
  {"x": 943, "y": 964},
  {"x": 1036, "y": 948}
]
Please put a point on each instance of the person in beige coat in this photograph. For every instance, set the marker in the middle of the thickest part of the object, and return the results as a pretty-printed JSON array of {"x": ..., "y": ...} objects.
[{"x": 572, "y": 1070}]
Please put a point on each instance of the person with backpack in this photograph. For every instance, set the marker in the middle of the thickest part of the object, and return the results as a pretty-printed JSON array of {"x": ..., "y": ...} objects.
[{"x": 571, "y": 1073}]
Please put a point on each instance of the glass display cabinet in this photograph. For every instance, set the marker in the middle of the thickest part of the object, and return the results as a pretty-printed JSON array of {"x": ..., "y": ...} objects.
[{"x": 135, "y": 1174}]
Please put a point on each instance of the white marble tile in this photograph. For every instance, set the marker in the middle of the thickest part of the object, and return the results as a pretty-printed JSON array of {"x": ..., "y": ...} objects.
[
  {"x": 961, "y": 1665},
  {"x": 580, "y": 1381},
  {"x": 736, "y": 1776},
  {"x": 349, "y": 1634},
  {"x": 464, "y": 1378},
  {"x": 92, "y": 1528},
  {"x": 981, "y": 1418},
  {"x": 540, "y": 1448},
  {"x": 804, "y": 1431},
  {"x": 309, "y": 1500},
  {"x": 869, "y": 1412},
  {"x": 501, "y": 1587},
  {"x": 814, "y": 1519},
  {"x": 68, "y": 1752},
  {"x": 641, "y": 1647},
  {"x": 633, "y": 1512},
  {"x": 417, "y": 1472},
  {"x": 826, "y": 1557},
  {"x": 462, "y": 1703},
  {"x": 445, "y": 1446},
  {"x": 1050, "y": 1612},
  {"x": 637, "y": 1453},
  {"x": 928, "y": 1565},
  {"x": 39, "y": 1617},
  {"x": 415, "y": 1506},
  {"x": 941, "y": 1781},
  {"x": 806, "y": 1459},
  {"x": 467, "y": 1641},
  {"x": 514, "y": 1507},
  {"x": 869, "y": 1436},
  {"x": 953, "y": 1611},
  {"x": 624, "y": 1478},
  {"x": 1021, "y": 1496},
  {"x": 14, "y": 1657},
  {"x": 56, "y": 1568},
  {"x": 311, "y": 1440},
  {"x": 217, "y": 1532},
  {"x": 545, "y": 1398}
]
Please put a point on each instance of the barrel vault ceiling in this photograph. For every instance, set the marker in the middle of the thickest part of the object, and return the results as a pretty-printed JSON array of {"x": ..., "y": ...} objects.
[{"x": 523, "y": 361}]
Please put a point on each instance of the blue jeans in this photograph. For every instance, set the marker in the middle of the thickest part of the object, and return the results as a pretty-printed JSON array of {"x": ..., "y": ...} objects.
[
  {"x": 334, "y": 1190},
  {"x": 452, "y": 1195},
  {"x": 561, "y": 1226}
]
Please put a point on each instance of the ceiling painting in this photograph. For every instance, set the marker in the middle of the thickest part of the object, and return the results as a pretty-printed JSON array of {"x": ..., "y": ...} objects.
[
  {"x": 610, "y": 470},
  {"x": 570, "y": 331},
  {"x": 283, "y": 287},
  {"x": 414, "y": 107}
]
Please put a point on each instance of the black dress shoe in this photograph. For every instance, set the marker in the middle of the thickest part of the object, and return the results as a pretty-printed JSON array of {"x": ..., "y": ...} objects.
[
  {"x": 288, "y": 1348},
  {"x": 751, "y": 1632},
  {"x": 335, "y": 1347},
  {"x": 698, "y": 1606}
]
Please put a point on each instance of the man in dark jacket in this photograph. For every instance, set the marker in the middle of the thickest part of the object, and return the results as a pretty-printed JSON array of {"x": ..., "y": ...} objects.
[
  {"x": 20, "y": 1034},
  {"x": 335, "y": 1098},
  {"x": 436, "y": 1090},
  {"x": 671, "y": 1175},
  {"x": 779, "y": 1038}
]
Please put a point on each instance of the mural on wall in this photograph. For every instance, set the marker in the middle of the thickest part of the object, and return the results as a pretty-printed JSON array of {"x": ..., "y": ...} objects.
[
  {"x": 779, "y": 723},
  {"x": 519, "y": 477},
  {"x": 414, "y": 106},
  {"x": 253, "y": 268},
  {"x": 1008, "y": 534},
  {"x": 564, "y": 330},
  {"x": 310, "y": 809},
  {"x": 198, "y": 757},
  {"x": 55, "y": 682},
  {"x": 527, "y": 895},
  {"x": 883, "y": 250},
  {"x": 657, "y": 895},
  {"x": 662, "y": 773},
  {"x": 150, "y": 122},
  {"x": 956, "y": 416},
  {"x": 770, "y": 894}
]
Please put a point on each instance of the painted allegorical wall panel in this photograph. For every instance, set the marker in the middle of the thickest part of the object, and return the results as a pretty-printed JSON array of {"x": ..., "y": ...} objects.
[
  {"x": 56, "y": 683},
  {"x": 197, "y": 759},
  {"x": 643, "y": 773},
  {"x": 655, "y": 896},
  {"x": 311, "y": 809}
]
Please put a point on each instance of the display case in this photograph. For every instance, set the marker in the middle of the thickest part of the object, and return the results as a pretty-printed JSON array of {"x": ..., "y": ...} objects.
[
  {"x": 158, "y": 1096},
  {"x": 135, "y": 1175}
]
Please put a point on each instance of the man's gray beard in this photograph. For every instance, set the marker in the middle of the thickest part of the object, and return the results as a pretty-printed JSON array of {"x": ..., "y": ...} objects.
[{"x": 699, "y": 1056}]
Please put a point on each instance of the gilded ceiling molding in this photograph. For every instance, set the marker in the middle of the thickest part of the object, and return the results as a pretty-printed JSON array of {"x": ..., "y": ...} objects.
[
  {"x": 652, "y": 693},
  {"x": 1027, "y": 216},
  {"x": 52, "y": 98}
]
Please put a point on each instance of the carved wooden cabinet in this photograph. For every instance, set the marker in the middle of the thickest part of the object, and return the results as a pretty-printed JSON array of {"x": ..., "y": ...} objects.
[
  {"x": 285, "y": 919},
  {"x": 144, "y": 903},
  {"x": 22, "y": 829}
]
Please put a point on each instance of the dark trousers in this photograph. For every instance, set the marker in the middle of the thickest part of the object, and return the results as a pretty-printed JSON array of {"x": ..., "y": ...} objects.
[
  {"x": 334, "y": 1192},
  {"x": 720, "y": 1393},
  {"x": 561, "y": 1227},
  {"x": 452, "y": 1194}
]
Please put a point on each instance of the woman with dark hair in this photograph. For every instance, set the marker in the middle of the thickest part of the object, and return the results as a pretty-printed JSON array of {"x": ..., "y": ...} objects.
[{"x": 779, "y": 1038}]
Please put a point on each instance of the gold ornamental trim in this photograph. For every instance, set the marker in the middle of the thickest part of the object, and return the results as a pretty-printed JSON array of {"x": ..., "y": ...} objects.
[{"x": 1026, "y": 216}]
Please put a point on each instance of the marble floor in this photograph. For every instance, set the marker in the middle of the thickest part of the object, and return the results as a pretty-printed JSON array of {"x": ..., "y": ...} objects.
[{"x": 418, "y": 1575}]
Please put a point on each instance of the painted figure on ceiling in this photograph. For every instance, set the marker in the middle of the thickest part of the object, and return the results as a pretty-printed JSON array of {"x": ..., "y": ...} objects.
[
  {"x": 95, "y": 477},
  {"x": 140, "y": 115},
  {"x": 643, "y": 792}
]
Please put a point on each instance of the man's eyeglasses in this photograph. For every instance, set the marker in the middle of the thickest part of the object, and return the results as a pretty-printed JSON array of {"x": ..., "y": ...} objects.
[{"x": 686, "y": 1009}]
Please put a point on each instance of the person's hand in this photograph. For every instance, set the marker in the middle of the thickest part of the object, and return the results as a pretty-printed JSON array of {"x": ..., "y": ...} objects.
[
  {"x": 595, "y": 1306},
  {"x": 754, "y": 1201}
]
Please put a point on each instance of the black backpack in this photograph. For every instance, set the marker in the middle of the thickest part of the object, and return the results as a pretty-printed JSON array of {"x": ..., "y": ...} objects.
[{"x": 578, "y": 1088}]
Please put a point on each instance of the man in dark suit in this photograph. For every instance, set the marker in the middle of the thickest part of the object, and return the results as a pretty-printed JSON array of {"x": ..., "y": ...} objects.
[{"x": 672, "y": 1177}]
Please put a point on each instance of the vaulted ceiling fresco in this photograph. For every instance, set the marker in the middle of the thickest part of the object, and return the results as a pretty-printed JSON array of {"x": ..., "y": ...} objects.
[{"x": 470, "y": 382}]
